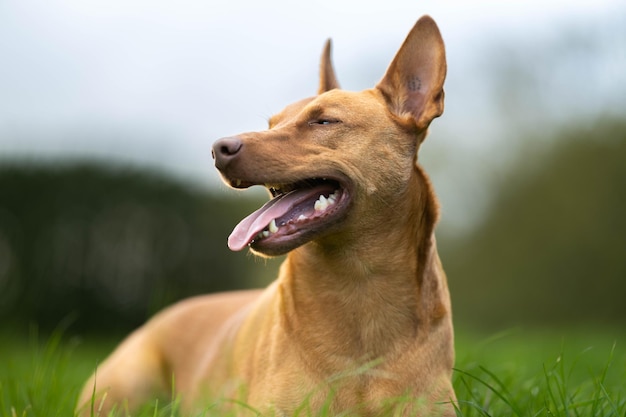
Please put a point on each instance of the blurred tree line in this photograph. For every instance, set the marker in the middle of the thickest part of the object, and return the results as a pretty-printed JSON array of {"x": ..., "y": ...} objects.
[
  {"x": 109, "y": 247},
  {"x": 553, "y": 247}
]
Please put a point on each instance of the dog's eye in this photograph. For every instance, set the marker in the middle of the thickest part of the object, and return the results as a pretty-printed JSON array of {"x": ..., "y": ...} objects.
[{"x": 323, "y": 122}]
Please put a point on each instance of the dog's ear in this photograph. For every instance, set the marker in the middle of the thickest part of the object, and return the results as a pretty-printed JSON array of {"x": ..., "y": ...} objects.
[
  {"x": 413, "y": 83},
  {"x": 328, "y": 81}
]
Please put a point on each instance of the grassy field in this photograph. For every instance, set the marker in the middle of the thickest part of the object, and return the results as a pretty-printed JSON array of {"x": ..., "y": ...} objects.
[{"x": 514, "y": 373}]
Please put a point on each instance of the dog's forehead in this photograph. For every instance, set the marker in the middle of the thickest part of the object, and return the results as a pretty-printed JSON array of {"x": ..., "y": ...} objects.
[
  {"x": 329, "y": 102},
  {"x": 353, "y": 102}
]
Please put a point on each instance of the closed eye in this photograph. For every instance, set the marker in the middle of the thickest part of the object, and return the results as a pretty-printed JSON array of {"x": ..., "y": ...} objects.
[{"x": 323, "y": 122}]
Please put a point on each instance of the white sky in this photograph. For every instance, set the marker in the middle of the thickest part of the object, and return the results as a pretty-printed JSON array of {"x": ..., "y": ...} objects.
[{"x": 156, "y": 82}]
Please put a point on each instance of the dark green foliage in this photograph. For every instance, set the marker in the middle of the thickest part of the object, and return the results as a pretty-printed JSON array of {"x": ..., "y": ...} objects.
[
  {"x": 553, "y": 247},
  {"x": 109, "y": 246}
]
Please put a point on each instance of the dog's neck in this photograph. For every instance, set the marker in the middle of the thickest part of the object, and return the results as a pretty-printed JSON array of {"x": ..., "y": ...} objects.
[{"x": 384, "y": 290}]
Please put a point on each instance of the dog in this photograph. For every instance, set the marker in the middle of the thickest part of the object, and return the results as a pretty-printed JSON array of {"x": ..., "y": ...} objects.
[{"x": 358, "y": 321}]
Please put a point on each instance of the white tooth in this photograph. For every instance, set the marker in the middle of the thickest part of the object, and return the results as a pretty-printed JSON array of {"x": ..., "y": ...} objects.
[
  {"x": 273, "y": 227},
  {"x": 265, "y": 233},
  {"x": 321, "y": 204},
  {"x": 301, "y": 217},
  {"x": 332, "y": 199}
]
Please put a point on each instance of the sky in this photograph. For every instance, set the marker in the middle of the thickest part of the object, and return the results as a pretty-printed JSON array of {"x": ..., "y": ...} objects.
[{"x": 154, "y": 83}]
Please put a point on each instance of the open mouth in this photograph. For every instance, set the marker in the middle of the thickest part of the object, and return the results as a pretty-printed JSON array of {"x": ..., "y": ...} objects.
[{"x": 296, "y": 213}]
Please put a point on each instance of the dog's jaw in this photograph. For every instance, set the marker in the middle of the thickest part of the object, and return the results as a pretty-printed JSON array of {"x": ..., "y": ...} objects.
[{"x": 296, "y": 214}]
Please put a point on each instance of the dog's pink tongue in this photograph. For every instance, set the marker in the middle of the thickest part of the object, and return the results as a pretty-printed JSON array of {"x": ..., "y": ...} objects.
[{"x": 252, "y": 225}]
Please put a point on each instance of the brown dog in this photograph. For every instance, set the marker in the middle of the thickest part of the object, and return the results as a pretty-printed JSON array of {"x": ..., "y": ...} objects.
[{"x": 359, "y": 319}]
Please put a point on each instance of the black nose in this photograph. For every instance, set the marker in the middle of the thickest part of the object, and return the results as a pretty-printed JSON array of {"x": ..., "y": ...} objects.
[{"x": 225, "y": 149}]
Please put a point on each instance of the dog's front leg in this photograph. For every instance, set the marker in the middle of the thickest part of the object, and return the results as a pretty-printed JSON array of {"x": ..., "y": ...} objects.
[{"x": 129, "y": 378}]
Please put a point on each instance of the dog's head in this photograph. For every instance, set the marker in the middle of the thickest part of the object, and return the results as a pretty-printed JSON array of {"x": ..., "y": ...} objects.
[{"x": 332, "y": 160}]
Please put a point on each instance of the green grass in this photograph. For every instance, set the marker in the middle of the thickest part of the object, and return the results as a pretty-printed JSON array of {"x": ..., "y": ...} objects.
[
  {"x": 543, "y": 373},
  {"x": 515, "y": 373}
]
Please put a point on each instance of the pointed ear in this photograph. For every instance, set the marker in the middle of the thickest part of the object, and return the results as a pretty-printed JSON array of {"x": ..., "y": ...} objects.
[
  {"x": 413, "y": 83},
  {"x": 328, "y": 81}
]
